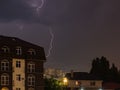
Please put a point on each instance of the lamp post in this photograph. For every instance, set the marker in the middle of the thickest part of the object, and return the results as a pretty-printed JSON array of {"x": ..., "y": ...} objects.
[{"x": 65, "y": 83}]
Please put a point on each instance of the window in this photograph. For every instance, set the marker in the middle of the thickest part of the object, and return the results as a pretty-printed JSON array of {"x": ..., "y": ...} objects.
[
  {"x": 18, "y": 51},
  {"x": 31, "y": 80},
  {"x": 31, "y": 67},
  {"x": 18, "y": 88},
  {"x": 31, "y": 89},
  {"x": 5, "y": 49},
  {"x": 31, "y": 52},
  {"x": 78, "y": 83},
  {"x": 18, "y": 77},
  {"x": 4, "y": 79},
  {"x": 92, "y": 83},
  {"x": 18, "y": 64},
  {"x": 4, "y": 65}
]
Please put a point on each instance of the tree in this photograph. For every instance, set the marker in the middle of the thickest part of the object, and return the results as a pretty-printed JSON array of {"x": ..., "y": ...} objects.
[
  {"x": 101, "y": 68},
  {"x": 52, "y": 84},
  {"x": 114, "y": 74}
]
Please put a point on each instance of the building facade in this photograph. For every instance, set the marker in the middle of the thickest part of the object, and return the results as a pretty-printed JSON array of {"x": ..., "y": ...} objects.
[
  {"x": 83, "y": 81},
  {"x": 21, "y": 65}
]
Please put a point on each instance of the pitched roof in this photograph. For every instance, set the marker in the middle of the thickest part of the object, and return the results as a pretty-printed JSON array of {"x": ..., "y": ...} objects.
[
  {"x": 81, "y": 76},
  {"x": 13, "y": 42},
  {"x": 16, "y": 41}
]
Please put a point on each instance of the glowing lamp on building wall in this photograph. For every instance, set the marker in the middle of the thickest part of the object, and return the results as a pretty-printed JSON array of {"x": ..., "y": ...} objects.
[
  {"x": 65, "y": 81},
  {"x": 5, "y": 88}
]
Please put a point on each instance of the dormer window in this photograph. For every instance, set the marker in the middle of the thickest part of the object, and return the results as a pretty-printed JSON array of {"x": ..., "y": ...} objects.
[
  {"x": 31, "y": 52},
  {"x": 18, "y": 50},
  {"x": 5, "y": 49}
]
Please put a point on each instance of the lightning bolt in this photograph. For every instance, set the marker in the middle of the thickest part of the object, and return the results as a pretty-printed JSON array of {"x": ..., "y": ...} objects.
[
  {"x": 37, "y": 5},
  {"x": 51, "y": 42},
  {"x": 50, "y": 29}
]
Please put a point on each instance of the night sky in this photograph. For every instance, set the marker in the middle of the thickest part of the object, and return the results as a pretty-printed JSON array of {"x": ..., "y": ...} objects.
[{"x": 83, "y": 29}]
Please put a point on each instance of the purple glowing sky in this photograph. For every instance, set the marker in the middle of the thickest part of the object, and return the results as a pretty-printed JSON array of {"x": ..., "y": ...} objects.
[{"x": 83, "y": 29}]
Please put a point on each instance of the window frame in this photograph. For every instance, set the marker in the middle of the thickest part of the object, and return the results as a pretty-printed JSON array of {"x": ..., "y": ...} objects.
[
  {"x": 4, "y": 65},
  {"x": 32, "y": 51},
  {"x": 31, "y": 80},
  {"x": 18, "y": 64},
  {"x": 19, "y": 50},
  {"x": 5, "y": 79},
  {"x": 18, "y": 77},
  {"x": 31, "y": 67},
  {"x": 5, "y": 49}
]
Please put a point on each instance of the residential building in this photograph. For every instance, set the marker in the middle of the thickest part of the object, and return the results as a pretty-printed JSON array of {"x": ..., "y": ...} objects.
[
  {"x": 83, "y": 81},
  {"x": 21, "y": 65}
]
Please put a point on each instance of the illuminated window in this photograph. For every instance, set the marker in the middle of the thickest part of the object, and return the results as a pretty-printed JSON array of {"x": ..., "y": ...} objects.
[
  {"x": 4, "y": 65},
  {"x": 78, "y": 83},
  {"x": 18, "y": 77},
  {"x": 31, "y": 67},
  {"x": 31, "y": 52},
  {"x": 5, "y": 49},
  {"x": 4, "y": 79},
  {"x": 18, "y": 50},
  {"x": 18, "y": 64},
  {"x": 31, "y": 80}
]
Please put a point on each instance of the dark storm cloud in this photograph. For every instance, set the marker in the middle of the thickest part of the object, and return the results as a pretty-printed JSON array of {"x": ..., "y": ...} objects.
[
  {"x": 83, "y": 29},
  {"x": 61, "y": 11},
  {"x": 14, "y": 10}
]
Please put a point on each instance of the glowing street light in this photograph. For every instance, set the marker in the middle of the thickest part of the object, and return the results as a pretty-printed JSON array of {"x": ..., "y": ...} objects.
[{"x": 65, "y": 81}]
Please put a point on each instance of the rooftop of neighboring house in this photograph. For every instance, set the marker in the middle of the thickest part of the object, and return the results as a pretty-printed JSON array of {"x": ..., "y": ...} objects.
[{"x": 81, "y": 76}]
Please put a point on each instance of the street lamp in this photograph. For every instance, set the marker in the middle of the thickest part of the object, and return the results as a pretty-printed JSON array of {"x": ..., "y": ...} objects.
[{"x": 65, "y": 82}]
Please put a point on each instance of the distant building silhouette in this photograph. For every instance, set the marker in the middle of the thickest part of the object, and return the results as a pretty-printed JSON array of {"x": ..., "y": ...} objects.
[
  {"x": 21, "y": 65},
  {"x": 83, "y": 81}
]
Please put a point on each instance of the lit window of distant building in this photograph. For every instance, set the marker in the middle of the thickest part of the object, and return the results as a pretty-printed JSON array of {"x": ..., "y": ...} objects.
[
  {"x": 31, "y": 67},
  {"x": 4, "y": 65},
  {"x": 18, "y": 50},
  {"x": 31, "y": 80},
  {"x": 78, "y": 83},
  {"x": 5, "y": 49},
  {"x": 4, "y": 79},
  {"x": 18, "y": 64}
]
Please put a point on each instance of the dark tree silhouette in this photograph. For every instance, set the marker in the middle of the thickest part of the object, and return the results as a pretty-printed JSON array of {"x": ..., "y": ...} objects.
[{"x": 101, "y": 68}]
